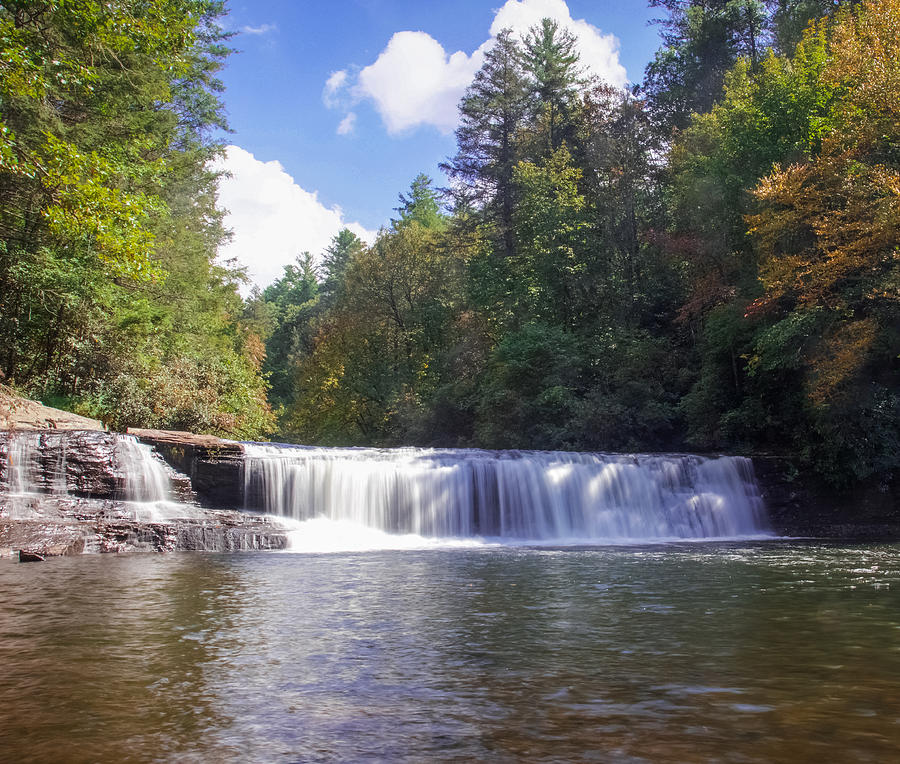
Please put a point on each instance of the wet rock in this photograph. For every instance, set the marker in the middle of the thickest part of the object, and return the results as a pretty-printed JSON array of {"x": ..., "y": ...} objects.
[
  {"x": 78, "y": 463},
  {"x": 109, "y": 529},
  {"x": 801, "y": 503},
  {"x": 25, "y": 556},
  {"x": 215, "y": 466},
  {"x": 54, "y": 537}
]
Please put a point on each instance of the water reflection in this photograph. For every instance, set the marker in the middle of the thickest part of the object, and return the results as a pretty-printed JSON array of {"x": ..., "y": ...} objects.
[{"x": 677, "y": 653}]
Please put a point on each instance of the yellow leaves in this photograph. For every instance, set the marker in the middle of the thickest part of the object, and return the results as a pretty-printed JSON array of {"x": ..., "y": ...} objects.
[
  {"x": 825, "y": 222},
  {"x": 86, "y": 204},
  {"x": 839, "y": 357},
  {"x": 865, "y": 61}
]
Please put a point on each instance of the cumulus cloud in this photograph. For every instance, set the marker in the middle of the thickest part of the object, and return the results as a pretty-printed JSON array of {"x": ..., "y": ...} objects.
[
  {"x": 272, "y": 218},
  {"x": 347, "y": 124},
  {"x": 333, "y": 85},
  {"x": 415, "y": 81}
]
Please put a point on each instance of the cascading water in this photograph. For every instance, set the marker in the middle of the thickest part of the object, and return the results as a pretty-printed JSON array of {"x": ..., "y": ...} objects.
[
  {"x": 60, "y": 463},
  {"x": 525, "y": 495},
  {"x": 146, "y": 479}
]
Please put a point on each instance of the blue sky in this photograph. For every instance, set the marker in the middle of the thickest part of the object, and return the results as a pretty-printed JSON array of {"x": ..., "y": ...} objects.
[{"x": 336, "y": 106}]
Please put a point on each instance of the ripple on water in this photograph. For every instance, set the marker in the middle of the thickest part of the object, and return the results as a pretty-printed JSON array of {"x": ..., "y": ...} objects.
[{"x": 745, "y": 652}]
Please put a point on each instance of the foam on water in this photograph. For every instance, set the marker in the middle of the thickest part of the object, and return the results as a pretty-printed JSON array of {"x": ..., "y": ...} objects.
[{"x": 322, "y": 536}]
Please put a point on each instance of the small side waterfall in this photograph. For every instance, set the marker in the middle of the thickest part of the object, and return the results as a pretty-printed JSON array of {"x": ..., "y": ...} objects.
[
  {"x": 526, "y": 495},
  {"x": 82, "y": 463},
  {"x": 146, "y": 478}
]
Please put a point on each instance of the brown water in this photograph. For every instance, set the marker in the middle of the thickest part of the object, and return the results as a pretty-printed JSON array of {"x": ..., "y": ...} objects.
[{"x": 762, "y": 652}]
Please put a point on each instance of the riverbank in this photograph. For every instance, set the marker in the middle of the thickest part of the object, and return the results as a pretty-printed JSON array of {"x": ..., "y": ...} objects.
[{"x": 87, "y": 491}]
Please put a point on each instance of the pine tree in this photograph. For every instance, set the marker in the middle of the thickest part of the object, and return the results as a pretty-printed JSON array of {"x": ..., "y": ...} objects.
[
  {"x": 422, "y": 205},
  {"x": 337, "y": 256},
  {"x": 491, "y": 114},
  {"x": 552, "y": 63},
  {"x": 703, "y": 39}
]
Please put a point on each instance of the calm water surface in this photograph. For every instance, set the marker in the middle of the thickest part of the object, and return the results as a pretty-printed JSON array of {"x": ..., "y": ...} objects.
[{"x": 706, "y": 652}]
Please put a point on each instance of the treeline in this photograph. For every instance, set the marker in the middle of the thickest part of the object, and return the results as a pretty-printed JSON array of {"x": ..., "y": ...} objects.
[
  {"x": 709, "y": 261},
  {"x": 111, "y": 303}
]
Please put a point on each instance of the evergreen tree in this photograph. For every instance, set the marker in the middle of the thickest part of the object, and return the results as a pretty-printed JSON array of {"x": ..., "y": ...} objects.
[
  {"x": 291, "y": 306},
  {"x": 110, "y": 298},
  {"x": 551, "y": 62},
  {"x": 492, "y": 112},
  {"x": 422, "y": 205},
  {"x": 789, "y": 19},
  {"x": 345, "y": 246},
  {"x": 703, "y": 39}
]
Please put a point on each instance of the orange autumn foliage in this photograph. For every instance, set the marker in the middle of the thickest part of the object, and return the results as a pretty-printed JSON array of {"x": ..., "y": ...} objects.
[{"x": 828, "y": 229}]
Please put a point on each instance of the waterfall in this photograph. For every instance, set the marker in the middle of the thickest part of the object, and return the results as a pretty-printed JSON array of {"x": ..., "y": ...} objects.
[
  {"x": 146, "y": 477},
  {"x": 527, "y": 495},
  {"x": 82, "y": 463}
]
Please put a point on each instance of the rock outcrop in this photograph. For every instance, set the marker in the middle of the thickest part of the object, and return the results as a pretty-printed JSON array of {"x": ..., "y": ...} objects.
[
  {"x": 17, "y": 413},
  {"x": 802, "y": 504},
  {"x": 215, "y": 466},
  {"x": 67, "y": 527},
  {"x": 64, "y": 493},
  {"x": 84, "y": 463}
]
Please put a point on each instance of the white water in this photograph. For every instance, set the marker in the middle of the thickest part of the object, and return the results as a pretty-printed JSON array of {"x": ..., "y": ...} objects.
[
  {"x": 557, "y": 497},
  {"x": 38, "y": 463},
  {"x": 146, "y": 478}
]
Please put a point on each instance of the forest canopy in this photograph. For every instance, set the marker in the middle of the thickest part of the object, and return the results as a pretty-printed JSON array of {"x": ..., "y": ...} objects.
[
  {"x": 708, "y": 260},
  {"x": 111, "y": 301}
]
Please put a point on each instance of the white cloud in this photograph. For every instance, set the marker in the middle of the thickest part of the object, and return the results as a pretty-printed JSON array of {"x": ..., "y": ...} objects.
[
  {"x": 272, "y": 219},
  {"x": 599, "y": 52},
  {"x": 333, "y": 85},
  {"x": 260, "y": 30},
  {"x": 415, "y": 82},
  {"x": 347, "y": 124}
]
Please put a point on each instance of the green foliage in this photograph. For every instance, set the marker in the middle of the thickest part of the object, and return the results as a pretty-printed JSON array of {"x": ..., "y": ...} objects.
[
  {"x": 711, "y": 261},
  {"x": 109, "y": 296},
  {"x": 291, "y": 308},
  {"x": 422, "y": 206},
  {"x": 703, "y": 39}
]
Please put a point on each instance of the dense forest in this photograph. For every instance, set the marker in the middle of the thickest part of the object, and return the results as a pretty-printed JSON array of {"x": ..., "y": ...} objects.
[{"x": 708, "y": 261}]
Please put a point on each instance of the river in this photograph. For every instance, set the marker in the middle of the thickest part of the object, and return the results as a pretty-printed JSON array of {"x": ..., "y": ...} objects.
[{"x": 702, "y": 651}]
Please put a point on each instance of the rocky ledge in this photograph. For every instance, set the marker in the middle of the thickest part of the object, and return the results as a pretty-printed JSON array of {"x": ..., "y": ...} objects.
[
  {"x": 801, "y": 503},
  {"x": 215, "y": 466},
  {"x": 65, "y": 492},
  {"x": 17, "y": 413},
  {"x": 50, "y": 526}
]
